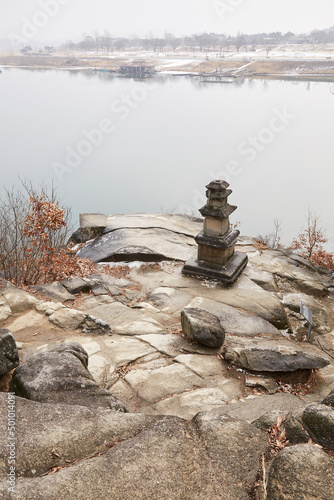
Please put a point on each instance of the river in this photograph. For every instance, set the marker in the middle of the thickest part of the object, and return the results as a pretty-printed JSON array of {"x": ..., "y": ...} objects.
[{"x": 115, "y": 145}]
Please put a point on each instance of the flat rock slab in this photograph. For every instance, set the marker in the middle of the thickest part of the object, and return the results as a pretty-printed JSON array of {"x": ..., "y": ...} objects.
[
  {"x": 108, "y": 280},
  {"x": 54, "y": 291},
  {"x": 160, "y": 383},
  {"x": 74, "y": 432},
  {"x": 122, "y": 319},
  {"x": 169, "y": 300},
  {"x": 243, "y": 295},
  {"x": 173, "y": 345},
  {"x": 235, "y": 321},
  {"x": 204, "y": 366},
  {"x": 139, "y": 244},
  {"x": 188, "y": 404},
  {"x": 277, "y": 355},
  {"x": 124, "y": 350},
  {"x": 182, "y": 224},
  {"x": 254, "y": 407}
]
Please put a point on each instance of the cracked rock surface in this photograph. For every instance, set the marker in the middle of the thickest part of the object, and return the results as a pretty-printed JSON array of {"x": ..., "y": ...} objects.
[{"x": 193, "y": 412}]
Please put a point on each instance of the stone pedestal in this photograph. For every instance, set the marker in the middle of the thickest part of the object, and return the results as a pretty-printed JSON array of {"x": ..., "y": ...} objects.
[{"x": 216, "y": 257}]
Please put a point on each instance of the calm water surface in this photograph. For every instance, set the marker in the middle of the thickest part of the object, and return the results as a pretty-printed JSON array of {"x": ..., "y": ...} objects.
[{"x": 116, "y": 145}]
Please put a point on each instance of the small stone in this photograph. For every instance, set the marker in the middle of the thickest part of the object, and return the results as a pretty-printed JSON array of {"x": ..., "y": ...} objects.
[
  {"x": 266, "y": 383},
  {"x": 203, "y": 327}
]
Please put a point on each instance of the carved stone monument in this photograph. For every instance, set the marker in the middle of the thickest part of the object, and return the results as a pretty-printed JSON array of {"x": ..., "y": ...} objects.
[{"x": 217, "y": 258}]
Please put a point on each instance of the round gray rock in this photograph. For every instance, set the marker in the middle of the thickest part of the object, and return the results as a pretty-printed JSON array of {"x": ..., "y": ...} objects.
[
  {"x": 301, "y": 472},
  {"x": 202, "y": 326}
]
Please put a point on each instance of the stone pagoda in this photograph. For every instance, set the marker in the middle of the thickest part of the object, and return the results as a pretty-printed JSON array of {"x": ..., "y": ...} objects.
[{"x": 217, "y": 258}]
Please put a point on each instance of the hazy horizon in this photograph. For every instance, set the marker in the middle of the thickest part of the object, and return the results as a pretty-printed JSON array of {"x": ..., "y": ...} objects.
[{"x": 60, "y": 20}]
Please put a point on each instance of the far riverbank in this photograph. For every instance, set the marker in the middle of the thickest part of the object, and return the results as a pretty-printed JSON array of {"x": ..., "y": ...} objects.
[{"x": 244, "y": 66}]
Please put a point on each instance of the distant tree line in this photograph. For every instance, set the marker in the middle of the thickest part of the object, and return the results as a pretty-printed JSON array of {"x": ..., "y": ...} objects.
[{"x": 107, "y": 43}]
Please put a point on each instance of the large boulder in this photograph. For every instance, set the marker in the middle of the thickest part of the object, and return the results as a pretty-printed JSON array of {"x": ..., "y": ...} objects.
[
  {"x": 273, "y": 355},
  {"x": 61, "y": 376},
  {"x": 152, "y": 244},
  {"x": 9, "y": 357},
  {"x": 202, "y": 326},
  {"x": 319, "y": 421},
  {"x": 144, "y": 237},
  {"x": 18, "y": 300},
  {"x": 208, "y": 458},
  {"x": 162, "y": 382},
  {"x": 301, "y": 472},
  {"x": 71, "y": 432}
]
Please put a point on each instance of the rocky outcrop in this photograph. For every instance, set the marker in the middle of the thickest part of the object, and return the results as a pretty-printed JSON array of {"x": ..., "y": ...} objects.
[
  {"x": 144, "y": 237},
  {"x": 61, "y": 376},
  {"x": 9, "y": 357},
  {"x": 55, "y": 435},
  {"x": 203, "y": 327},
  {"x": 142, "y": 358},
  {"x": 210, "y": 457}
]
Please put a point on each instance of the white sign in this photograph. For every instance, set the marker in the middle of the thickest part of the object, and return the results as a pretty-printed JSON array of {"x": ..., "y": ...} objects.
[{"x": 306, "y": 312}]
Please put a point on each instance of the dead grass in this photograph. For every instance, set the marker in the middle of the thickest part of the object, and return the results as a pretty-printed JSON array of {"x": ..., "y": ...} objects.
[
  {"x": 301, "y": 67},
  {"x": 60, "y": 62}
]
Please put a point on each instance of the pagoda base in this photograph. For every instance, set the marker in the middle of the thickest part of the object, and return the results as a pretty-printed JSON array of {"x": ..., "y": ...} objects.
[{"x": 227, "y": 274}]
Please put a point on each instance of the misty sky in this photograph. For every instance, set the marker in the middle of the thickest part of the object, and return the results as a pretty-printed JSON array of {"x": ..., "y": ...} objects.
[{"x": 155, "y": 17}]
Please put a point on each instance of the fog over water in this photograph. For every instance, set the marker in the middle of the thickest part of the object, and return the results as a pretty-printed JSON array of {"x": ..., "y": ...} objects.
[{"x": 116, "y": 145}]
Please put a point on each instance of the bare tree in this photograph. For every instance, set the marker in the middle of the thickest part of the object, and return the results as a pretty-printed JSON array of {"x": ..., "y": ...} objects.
[{"x": 273, "y": 239}]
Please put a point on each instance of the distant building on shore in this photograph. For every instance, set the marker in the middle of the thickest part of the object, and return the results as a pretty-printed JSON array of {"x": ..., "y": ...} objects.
[{"x": 138, "y": 70}]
